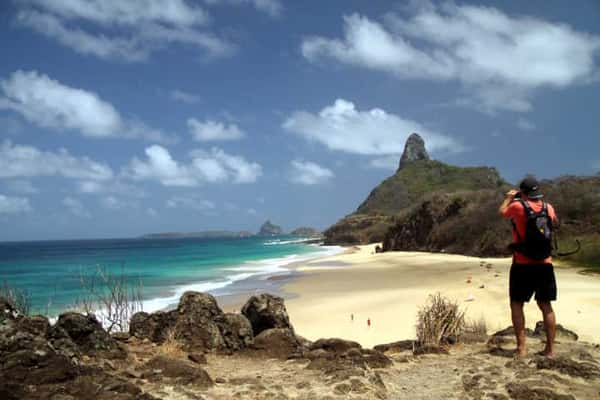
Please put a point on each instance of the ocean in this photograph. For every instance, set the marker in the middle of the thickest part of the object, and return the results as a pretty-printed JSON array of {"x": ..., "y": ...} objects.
[{"x": 50, "y": 271}]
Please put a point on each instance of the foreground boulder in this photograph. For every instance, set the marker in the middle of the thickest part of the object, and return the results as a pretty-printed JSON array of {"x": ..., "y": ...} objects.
[
  {"x": 561, "y": 332},
  {"x": 279, "y": 343},
  {"x": 198, "y": 323},
  {"x": 266, "y": 311},
  {"x": 182, "y": 372},
  {"x": 89, "y": 336}
]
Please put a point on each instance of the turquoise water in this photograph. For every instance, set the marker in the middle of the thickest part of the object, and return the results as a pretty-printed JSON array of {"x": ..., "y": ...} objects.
[{"x": 50, "y": 271}]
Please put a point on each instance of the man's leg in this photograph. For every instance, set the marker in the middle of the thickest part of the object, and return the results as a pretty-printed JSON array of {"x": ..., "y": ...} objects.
[
  {"x": 550, "y": 325},
  {"x": 518, "y": 320}
]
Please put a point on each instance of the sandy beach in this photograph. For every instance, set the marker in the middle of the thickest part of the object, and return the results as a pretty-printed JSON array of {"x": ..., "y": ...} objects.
[{"x": 389, "y": 288}]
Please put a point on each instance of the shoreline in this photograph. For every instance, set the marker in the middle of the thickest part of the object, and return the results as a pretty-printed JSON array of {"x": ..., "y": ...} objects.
[{"x": 389, "y": 288}]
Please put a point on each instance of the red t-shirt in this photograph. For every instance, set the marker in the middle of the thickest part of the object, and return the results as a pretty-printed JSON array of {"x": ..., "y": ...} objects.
[{"x": 516, "y": 212}]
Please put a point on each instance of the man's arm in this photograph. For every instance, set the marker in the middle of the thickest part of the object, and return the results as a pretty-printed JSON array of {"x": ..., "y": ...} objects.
[{"x": 509, "y": 197}]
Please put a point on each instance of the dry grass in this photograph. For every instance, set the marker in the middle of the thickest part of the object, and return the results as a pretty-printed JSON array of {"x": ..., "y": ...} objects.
[
  {"x": 171, "y": 347},
  {"x": 19, "y": 299},
  {"x": 439, "y": 322},
  {"x": 474, "y": 331}
]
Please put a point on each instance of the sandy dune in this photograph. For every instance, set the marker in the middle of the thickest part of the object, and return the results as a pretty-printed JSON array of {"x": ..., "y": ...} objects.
[{"x": 389, "y": 288}]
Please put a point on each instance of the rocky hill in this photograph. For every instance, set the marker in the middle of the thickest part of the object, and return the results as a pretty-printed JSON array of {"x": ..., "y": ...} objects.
[
  {"x": 199, "y": 352},
  {"x": 269, "y": 229},
  {"x": 431, "y": 206},
  {"x": 306, "y": 232}
]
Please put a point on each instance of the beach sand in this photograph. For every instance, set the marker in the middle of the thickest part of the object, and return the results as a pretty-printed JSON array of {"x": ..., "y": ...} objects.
[{"x": 390, "y": 287}]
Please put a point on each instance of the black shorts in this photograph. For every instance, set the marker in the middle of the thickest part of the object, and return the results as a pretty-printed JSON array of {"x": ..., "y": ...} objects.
[{"x": 527, "y": 279}]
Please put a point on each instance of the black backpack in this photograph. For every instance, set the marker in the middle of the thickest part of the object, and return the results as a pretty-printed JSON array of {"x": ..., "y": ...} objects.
[{"x": 537, "y": 243}]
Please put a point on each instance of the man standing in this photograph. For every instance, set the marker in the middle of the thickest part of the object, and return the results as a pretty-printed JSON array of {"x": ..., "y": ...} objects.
[{"x": 531, "y": 271}]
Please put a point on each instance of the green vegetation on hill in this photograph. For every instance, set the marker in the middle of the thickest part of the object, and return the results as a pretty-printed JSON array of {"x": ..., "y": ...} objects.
[{"x": 419, "y": 178}]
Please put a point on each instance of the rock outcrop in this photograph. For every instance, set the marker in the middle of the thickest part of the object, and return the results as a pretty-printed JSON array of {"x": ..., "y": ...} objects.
[
  {"x": 414, "y": 150},
  {"x": 198, "y": 323},
  {"x": 306, "y": 232},
  {"x": 266, "y": 311},
  {"x": 270, "y": 229}
]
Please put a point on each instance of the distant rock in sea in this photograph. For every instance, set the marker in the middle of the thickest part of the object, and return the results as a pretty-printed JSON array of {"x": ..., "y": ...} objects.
[
  {"x": 306, "y": 231},
  {"x": 269, "y": 229}
]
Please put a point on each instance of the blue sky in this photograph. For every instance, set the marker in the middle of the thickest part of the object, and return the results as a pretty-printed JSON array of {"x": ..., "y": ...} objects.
[{"x": 124, "y": 118}]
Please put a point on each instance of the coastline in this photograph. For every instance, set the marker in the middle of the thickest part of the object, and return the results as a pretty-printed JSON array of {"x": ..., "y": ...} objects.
[{"x": 389, "y": 288}]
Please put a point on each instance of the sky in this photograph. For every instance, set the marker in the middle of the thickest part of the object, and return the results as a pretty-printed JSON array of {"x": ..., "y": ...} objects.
[{"x": 124, "y": 118}]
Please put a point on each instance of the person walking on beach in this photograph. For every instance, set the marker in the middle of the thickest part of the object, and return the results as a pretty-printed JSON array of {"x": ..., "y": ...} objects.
[
  {"x": 369, "y": 322},
  {"x": 531, "y": 271}
]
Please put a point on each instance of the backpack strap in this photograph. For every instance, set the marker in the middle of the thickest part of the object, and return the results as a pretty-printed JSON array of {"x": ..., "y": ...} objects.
[{"x": 527, "y": 207}]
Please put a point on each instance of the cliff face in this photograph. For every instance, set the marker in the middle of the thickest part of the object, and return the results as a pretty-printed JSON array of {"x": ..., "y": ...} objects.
[{"x": 269, "y": 229}]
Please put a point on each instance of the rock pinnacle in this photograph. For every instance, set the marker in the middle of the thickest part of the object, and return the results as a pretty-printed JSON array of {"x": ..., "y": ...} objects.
[{"x": 414, "y": 150}]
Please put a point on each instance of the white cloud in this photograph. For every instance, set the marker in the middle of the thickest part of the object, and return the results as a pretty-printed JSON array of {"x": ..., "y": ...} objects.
[
  {"x": 76, "y": 207},
  {"x": 204, "y": 167},
  {"x": 14, "y": 205},
  {"x": 123, "y": 30},
  {"x": 184, "y": 97},
  {"x": 525, "y": 125},
  {"x": 20, "y": 186},
  {"x": 309, "y": 173},
  {"x": 387, "y": 162},
  {"x": 499, "y": 59},
  {"x": 341, "y": 126},
  {"x": 115, "y": 203},
  {"x": 191, "y": 202},
  {"x": 204, "y": 131},
  {"x": 48, "y": 103},
  {"x": 273, "y": 8},
  {"x": 28, "y": 161},
  {"x": 113, "y": 187}
]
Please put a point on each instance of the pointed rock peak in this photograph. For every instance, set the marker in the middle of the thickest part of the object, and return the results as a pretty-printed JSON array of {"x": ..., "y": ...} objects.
[{"x": 414, "y": 150}]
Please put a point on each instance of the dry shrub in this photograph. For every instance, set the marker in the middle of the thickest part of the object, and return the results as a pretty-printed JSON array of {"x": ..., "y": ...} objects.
[
  {"x": 439, "y": 322},
  {"x": 474, "y": 331},
  {"x": 171, "y": 346},
  {"x": 19, "y": 299},
  {"x": 113, "y": 298}
]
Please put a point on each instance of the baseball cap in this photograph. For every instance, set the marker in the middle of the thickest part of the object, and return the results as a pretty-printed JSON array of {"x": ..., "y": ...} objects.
[{"x": 530, "y": 187}]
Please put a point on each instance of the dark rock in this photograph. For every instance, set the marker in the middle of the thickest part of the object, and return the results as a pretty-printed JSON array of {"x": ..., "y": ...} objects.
[
  {"x": 396, "y": 347},
  {"x": 220, "y": 380},
  {"x": 183, "y": 372},
  {"x": 335, "y": 345},
  {"x": 196, "y": 326},
  {"x": 269, "y": 229},
  {"x": 561, "y": 332},
  {"x": 89, "y": 336},
  {"x": 266, "y": 311},
  {"x": 36, "y": 325},
  {"x": 510, "y": 331},
  {"x": 277, "y": 343},
  {"x": 375, "y": 359},
  {"x": 414, "y": 150},
  {"x": 518, "y": 391},
  {"x": 198, "y": 358},
  {"x": 121, "y": 336},
  {"x": 237, "y": 332},
  {"x": 155, "y": 326},
  {"x": 570, "y": 367}
]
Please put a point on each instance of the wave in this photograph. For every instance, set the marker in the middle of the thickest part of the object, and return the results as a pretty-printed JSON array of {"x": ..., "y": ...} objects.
[
  {"x": 276, "y": 242},
  {"x": 261, "y": 268}
]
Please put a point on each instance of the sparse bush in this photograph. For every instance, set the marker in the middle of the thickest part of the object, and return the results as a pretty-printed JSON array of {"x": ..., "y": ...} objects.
[
  {"x": 171, "y": 346},
  {"x": 474, "y": 331},
  {"x": 440, "y": 322},
  {"x": 19, "y": 299},
  {"x": 112, "y": 298}
]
